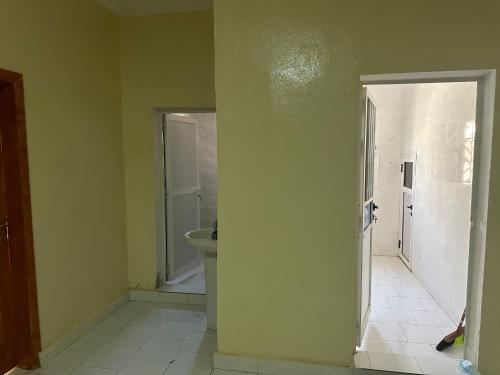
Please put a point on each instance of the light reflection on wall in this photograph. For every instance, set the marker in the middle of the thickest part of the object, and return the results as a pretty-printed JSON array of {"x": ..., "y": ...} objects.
[
  {"x": 295, "y": 59},
  {"x": 443, "y": 121},
  {"x": 468, "y": 152},
  {"x": 298, "y": 61}
]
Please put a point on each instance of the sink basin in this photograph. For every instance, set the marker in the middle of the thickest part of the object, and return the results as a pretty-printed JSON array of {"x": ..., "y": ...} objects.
[{"x": 201, "y": 239}]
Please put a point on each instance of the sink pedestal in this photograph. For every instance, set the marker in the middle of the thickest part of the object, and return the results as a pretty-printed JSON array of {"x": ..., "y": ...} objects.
[
  {"x": 201, "y": 239},
  {"x": 211, "y": 289}
]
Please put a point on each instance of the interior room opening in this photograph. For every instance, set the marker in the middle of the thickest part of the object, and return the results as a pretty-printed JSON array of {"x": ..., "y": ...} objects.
[
  {"x": 418, "y": 195},
  {"x": 189, "y": 169}
]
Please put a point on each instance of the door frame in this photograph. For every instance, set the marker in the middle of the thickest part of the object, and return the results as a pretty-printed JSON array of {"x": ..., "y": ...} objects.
[
  {"x": 362, "y": 317},
  {"x": 485, "y": 106},
  {"x": 160, "y": 188},
  {"x": 402, "y": 190},
  {"x": 28, "y": 344}
]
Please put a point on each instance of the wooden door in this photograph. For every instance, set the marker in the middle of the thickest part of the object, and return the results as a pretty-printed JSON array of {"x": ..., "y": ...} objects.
[
  {"x": 19, "y": 322},
  {"x": 8, "y": 359}
]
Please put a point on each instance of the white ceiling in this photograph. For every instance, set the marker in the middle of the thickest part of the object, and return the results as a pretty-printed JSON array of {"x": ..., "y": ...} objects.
[{"x": 143, "y": 7}]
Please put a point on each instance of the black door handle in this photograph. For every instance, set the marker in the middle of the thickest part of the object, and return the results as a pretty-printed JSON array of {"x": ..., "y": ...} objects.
[
  {"x": 410, "y": 206},
  {"x": 375, "y": 207}
]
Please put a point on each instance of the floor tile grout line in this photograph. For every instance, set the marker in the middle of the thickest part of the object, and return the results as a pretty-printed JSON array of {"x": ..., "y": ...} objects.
[
  {"x": 418, "y": 364},
  {"x": 132, "y": 357}
]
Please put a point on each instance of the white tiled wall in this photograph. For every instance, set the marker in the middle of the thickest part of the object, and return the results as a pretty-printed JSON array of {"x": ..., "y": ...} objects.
[
  {"x": 435, "y": 122},
  {"x": 442, "y": 130},
  {"x": 208, "y": 168}
]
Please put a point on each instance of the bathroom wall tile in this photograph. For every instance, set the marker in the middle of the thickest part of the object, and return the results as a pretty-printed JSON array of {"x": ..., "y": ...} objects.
[
  {"x": 207, "y": 154},
  {"x": 441, "y": 219}
]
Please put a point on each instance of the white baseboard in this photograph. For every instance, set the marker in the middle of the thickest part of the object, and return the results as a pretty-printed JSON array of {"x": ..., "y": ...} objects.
[
  {"x": 167, "y": 297},
  {"x": 78, "y": 331},
  {"x": 275, "y": 367}
]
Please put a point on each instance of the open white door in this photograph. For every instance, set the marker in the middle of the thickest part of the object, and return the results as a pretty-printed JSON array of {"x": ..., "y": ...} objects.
[
  {"x": 182, "y": 192},
  {"x": 406, "y": 212},
  {"x": 367, "y": 216}
]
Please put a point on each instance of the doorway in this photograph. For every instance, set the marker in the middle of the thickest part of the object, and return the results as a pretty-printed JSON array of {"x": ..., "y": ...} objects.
[
  {"x": 429, "y": 174},
  {"x": 19, "y": 324},
  {"x": 189, "y": 170}
]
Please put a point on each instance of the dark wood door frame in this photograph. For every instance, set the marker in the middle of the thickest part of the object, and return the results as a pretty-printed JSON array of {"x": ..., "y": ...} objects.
[{"x": 21, "y": 251}]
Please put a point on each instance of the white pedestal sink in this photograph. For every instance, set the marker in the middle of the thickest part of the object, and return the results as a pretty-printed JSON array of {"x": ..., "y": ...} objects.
[{"x": 201, "y": 239}]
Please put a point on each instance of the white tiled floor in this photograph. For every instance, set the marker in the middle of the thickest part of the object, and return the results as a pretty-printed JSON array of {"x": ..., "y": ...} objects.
[
  {"x": 141, "y": 338},
  {"x": 194, "y": 284},
  {"x": 147, "y": 338},
  {"x": 405, "y": 325}
]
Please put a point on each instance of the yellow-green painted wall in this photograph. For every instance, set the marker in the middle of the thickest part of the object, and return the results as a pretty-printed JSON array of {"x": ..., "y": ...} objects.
[
  {"x": 168, "y": 62},
  {"x": 68, "y": 53},
  {"x": 287, "y": 83}
]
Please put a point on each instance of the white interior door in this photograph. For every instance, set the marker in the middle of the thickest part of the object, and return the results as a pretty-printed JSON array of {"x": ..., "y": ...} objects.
[
  {"x": 406, "y": 212},
  {"x": 365, "y": 256},
  {"x": 182, "y": 192}
]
